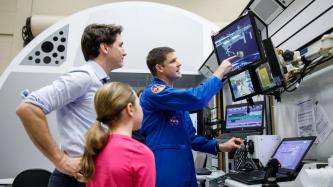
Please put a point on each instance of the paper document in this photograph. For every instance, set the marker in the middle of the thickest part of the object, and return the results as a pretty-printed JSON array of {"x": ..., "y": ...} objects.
[
  {"x": 323, "y": 124},
  {"x": 305, "y": 117}
]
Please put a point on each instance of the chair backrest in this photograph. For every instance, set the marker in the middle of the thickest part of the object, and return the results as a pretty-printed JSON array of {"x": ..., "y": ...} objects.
[{"x": 33, "y": 178}]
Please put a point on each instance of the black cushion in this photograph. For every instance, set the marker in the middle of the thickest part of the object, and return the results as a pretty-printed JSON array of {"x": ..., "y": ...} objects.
[{"x": 32, "y": 178}]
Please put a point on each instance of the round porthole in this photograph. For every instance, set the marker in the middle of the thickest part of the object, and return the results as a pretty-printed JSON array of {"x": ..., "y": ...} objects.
[
  {"x": 61, "y": 48},
  {"x": 47, "y": 60},
  {"x": 47, "y": 47}
]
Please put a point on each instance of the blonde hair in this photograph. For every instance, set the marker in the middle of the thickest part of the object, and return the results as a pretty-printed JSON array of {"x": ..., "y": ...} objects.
[{"x": 110, "y": 100}]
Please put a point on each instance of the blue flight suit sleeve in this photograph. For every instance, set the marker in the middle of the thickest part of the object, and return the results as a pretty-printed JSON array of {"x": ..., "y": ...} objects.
[
  {"x": 184, "y": 99},
  {"x": 199, "y": 143}
]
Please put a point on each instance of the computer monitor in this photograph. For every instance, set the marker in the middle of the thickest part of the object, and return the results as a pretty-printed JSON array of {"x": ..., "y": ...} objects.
[
  {"x": 269, "y": 73},
  {"x": 291, "y": 151},
  {"x": 265, "y": 77},
  {"x": 242, "y": 117},
  {"x": 242, "y": 85},
  {"x": 209, "y": 66},
  {"x": 198, "y": 120},
  {"x": 240, "y": 38}
]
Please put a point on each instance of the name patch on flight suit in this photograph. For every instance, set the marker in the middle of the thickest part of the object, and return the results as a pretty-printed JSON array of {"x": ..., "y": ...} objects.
[{"x": 157, "y": 88}]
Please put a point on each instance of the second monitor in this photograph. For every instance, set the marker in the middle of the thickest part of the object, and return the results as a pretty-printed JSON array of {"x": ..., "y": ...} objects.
[
  {"x": 269, "y": 73},
  {"x": 241, "y": 117},
  {"x": 242, "y": 86}
]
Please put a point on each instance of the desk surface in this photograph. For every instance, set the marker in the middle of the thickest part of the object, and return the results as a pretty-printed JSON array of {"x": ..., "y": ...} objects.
[
  {"x": 6, "y": 181},
  {"x": 213, "y": 175},
  {"x": 233, "y": 183}
]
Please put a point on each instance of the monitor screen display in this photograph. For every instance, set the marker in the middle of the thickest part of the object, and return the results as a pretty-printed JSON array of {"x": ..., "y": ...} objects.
[
  {"x": 290, "y": 153},
  {"x": 238, "y": 38},
  {"x": 265, "y": 77},
  {"x": 194, "y": 119},
  {"x": 244, "y": 116},
  {"x": 241, "y": 85}
]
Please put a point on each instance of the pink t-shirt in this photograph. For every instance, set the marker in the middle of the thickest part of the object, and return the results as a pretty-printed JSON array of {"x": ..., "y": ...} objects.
[{"x": 124, "y": 162}]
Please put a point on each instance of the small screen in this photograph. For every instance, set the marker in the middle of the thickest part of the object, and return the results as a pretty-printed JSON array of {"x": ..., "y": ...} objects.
[
  {"x": 241, "y": 84},
  {"x": 238, "y": 116},
  {"x": 237, "y": 39},
  {"x": 194, "y": 119},
  {"x": 290, "y": 153},
  {"x": 265, "y": 77}
]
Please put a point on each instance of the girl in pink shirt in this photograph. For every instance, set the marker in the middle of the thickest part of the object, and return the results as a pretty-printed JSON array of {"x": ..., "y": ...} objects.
[{"x": 111, "y": 157}]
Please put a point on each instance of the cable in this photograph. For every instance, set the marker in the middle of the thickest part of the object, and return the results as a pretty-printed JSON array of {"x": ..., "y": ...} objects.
[{"x": 306, "y": 70}]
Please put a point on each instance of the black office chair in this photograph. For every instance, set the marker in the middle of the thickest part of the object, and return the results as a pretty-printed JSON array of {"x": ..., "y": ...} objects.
[{"x": 32, "y": 177}]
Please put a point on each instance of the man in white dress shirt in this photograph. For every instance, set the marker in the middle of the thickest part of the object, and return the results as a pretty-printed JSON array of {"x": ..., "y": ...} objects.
[{"x": 72, "y": 96}]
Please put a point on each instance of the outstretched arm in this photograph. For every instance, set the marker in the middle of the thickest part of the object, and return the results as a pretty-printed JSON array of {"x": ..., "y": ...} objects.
[
  {"x": 224, "y": 68},
  {"x": 230, "y": 145},
  {"x": 35, "y": 124},
  {"x": 168, "y": 98}
]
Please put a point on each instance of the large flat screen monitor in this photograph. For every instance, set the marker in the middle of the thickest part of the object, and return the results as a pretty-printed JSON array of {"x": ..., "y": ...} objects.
[
  {"x": 242, "y": 86},
  {"x": 242, "y": 117},
  {"x": 240, "y": 38}
]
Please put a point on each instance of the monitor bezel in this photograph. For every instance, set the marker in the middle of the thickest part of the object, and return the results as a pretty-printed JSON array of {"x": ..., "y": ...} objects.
[
  {"x": 206, "y": 60},
  {"x": 274, "y": 88},
  {"x": 257, "y": 37},
  {"x": 254, "y": 83},
  {"x": 252, "y": 129},
  {"x": 274, "y": 65},
  {"x": 311, "y": 138}
]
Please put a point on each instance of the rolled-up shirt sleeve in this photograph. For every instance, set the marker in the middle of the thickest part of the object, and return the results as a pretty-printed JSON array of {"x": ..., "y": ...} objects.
[{"x": 62, "y": 91}]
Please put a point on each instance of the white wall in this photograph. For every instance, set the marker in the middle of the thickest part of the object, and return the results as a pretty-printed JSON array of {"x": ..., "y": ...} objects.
[
  {"x": 13, "y": 14},
  {"x": 146, "y": 25},
  {"x": 290, "y": 32}
]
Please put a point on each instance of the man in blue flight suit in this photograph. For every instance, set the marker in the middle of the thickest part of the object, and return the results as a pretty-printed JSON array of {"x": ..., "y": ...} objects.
[{"x": 167, "y": 126}]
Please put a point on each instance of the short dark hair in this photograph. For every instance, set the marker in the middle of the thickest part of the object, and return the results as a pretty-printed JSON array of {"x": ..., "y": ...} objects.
[
  {"x": 95, "y": 34},
  {"x": 157, "y": 56}
]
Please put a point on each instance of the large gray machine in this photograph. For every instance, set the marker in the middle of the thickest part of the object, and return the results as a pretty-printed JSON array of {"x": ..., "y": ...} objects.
[{"x": 57, "y": 49}]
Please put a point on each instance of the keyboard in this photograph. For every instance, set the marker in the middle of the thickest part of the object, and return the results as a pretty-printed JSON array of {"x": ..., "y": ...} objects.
[
  {"x": 203, "y": 171},
  {"x": 252, "y": 177},
  {"x": 243, "y": 136},
  {"x": 257, "y": 177}
]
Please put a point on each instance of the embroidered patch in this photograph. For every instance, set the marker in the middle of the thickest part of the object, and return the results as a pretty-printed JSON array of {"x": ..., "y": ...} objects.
[{"x": 157, "y": 88}]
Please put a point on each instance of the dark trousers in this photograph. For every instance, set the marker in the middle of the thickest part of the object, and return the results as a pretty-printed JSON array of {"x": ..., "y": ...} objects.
[{"x": 58, "y": 179}]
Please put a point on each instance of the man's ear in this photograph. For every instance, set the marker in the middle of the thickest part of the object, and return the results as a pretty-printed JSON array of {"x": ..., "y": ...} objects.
[
  {"x": 103, "y": 48},
  {"x": 159, "y": 67}
]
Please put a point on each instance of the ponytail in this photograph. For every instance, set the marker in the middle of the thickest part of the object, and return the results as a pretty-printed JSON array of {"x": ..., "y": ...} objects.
[
  {"x": 96, "y": 139},
  {"x": 110, "y": 100}
]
